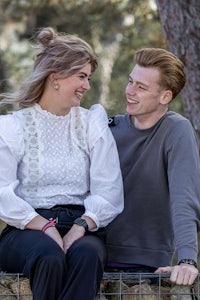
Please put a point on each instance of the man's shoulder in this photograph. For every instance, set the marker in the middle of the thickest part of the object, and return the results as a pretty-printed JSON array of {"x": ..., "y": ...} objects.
[
  {"x": 176, "y": 125},
  {"x": 176, "y": 118},
  {"x": 174, "y": 115}
]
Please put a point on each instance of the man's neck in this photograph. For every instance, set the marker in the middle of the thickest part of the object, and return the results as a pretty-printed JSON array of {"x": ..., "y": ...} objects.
[{"x": 145, "y": 122}]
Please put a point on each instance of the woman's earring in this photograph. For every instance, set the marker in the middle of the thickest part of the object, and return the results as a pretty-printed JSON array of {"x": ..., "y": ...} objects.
[{"x": 56, "y": 86}]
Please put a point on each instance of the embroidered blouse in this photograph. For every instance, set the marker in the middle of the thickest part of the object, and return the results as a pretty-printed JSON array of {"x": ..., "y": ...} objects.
[{"x": 47, "y": 160}]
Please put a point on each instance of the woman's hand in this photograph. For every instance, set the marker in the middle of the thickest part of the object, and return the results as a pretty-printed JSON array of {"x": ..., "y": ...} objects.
[
  {"x": 75, "y": 233},
  {"x": 38, "y": 223},
  {"x": 53, "y": 233}
]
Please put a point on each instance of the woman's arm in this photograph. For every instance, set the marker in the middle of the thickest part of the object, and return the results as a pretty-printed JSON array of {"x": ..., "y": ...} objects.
[{"x": 106, "y": 199}]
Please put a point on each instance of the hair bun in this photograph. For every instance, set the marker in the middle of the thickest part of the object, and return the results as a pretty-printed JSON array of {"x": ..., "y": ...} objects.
[{"x": 45, "y": 36}]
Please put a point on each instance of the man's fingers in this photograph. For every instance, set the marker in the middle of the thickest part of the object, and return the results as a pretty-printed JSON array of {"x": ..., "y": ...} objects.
[
  {"x": 163, "y": 270},
  {"x": 184, "y": 274}
]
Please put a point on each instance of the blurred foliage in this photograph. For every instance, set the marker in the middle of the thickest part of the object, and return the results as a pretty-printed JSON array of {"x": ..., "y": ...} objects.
[{"x": 114, "y": 28}]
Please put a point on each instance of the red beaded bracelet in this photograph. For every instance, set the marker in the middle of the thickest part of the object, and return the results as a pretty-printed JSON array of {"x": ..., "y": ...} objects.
[{"x": 51, "y": 223}]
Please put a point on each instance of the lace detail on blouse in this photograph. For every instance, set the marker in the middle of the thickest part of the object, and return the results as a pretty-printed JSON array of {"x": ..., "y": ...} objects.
[
  {"x": 55, "y": 165},
  {"x": 30, "y": 164}
]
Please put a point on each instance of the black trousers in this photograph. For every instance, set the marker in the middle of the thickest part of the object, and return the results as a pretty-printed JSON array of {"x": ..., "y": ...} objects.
[{"x": 52, "y": 274}]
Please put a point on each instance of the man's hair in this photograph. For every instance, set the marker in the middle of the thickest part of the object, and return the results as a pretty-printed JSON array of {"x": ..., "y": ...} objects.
[{"x": 172, "y": 75}]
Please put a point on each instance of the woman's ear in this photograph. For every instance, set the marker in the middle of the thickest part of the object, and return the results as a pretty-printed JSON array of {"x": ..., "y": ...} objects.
[
  {"x": 51, "y": 77},
  {"x": 166, "y": 97},
  {"x": 53, "y": 81}
]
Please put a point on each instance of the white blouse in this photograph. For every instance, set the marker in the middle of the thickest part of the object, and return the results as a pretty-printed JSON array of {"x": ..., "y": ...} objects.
[{"x": 47, "y": 160}]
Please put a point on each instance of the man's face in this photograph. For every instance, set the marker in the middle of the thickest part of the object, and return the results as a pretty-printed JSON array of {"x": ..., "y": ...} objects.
[{"x": 143, "y": 92}]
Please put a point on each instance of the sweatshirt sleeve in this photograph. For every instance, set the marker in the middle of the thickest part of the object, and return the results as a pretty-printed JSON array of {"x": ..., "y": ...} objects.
[
  {"x": 13, "y": 210},
  {"x": 106, "y": 198},
  {"x": 184, "y": 188}
]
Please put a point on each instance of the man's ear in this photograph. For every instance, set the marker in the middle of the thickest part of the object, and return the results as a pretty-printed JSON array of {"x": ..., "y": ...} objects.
[{"x": 166, "y": 97}]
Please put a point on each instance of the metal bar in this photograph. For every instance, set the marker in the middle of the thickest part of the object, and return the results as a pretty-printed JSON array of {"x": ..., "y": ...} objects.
[{"x": 114, "y": 286}]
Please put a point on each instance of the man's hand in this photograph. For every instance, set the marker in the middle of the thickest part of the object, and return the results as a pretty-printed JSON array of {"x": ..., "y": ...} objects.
[{"x": 183, "y": 274}]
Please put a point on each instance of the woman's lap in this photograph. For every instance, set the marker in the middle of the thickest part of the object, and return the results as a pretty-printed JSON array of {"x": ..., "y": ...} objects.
[{"x": 19, "y": 249}]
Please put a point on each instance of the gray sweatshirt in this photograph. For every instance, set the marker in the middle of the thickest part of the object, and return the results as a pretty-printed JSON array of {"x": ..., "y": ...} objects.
[{"x": 161, "y": 173}]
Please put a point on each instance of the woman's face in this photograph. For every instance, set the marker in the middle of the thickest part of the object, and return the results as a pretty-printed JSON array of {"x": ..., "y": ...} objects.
[{"x": 69, "y": 93}]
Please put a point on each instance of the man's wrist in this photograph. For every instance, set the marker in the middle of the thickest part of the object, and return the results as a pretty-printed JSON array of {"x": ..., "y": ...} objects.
[{"x": 188, "y": 261}]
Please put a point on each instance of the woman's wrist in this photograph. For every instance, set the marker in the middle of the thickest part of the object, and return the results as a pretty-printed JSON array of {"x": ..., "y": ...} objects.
[
  {"x": 37, "y": 223},
  {"x": 91, "y": 224},
  {"x": 52, "y": 223}
]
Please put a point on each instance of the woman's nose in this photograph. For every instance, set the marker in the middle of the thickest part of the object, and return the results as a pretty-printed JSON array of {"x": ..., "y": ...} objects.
[{"x": 86, "y": 85}]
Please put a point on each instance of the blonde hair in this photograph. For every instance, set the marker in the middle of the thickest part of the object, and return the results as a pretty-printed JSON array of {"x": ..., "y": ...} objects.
[
  {"x": 172, "y": 75},
  {"x": 59, "y": 53}
]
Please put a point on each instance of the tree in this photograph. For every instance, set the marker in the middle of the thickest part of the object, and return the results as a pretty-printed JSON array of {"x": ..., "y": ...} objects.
[
  {"x": 181, "y": 27},
  {"x": 115, "y": 29}
]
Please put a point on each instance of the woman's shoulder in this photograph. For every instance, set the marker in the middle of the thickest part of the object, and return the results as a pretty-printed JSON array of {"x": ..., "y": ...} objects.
[
  {"x": 11, "y": 131},
  {"x": 97, "y": 113},
  {"x": 8, "y": 123}
]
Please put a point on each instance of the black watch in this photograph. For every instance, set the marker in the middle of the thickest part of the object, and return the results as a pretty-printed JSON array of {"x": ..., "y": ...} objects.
[
  {"x": 188, "y": 261},
  {"x": 81, "y": 222}
]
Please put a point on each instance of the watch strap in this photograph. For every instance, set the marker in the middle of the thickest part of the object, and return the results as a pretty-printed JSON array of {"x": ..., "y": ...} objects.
[
  {"x": 188, "y": 261},
  {"x": 81, "y": 222}
]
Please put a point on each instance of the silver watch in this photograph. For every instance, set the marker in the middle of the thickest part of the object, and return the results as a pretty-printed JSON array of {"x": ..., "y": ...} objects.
[{"x": 188, "y": 261}]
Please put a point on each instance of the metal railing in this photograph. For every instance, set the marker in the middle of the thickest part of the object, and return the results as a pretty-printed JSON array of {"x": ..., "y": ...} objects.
[
  {"x": 145, "y": 286},
  {"x": 114, "y": 286},
  {"x": 14, "y": 286}
]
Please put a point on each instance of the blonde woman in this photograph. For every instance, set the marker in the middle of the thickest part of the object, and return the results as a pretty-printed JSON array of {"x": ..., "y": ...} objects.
[{"x": 60, "y": 181}]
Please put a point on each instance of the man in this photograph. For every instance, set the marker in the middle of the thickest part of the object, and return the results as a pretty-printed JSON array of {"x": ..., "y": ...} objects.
[{"x": 159, "y": 158}]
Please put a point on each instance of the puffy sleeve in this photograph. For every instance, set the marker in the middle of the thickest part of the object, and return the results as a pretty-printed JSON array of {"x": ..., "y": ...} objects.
[
  {"x": 13, "y": 210},
  {"x": 106, "y": 199}
]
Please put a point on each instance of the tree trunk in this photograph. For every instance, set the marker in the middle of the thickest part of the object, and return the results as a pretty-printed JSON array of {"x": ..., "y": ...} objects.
[
  {"x": 108, "y": 53},
  {"x": 180, "y": 20}
]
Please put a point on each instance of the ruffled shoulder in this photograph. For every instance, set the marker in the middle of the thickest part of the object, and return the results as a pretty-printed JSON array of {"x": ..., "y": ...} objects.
[
  {"x": 11, "y": 133},
  {"x": 98, "y": 114},
  {"x": 97, "y": 122}
]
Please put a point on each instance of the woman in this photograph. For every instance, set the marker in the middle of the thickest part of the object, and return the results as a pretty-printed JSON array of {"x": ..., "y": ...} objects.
[{"x": 60, "y": 180}]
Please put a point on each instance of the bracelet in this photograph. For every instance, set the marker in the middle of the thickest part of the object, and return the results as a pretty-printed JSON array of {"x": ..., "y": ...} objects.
[{"x": 52, "y": 222}]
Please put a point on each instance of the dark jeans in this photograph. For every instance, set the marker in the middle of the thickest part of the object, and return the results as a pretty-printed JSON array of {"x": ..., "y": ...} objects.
[{"x": 52, "y": 274}]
